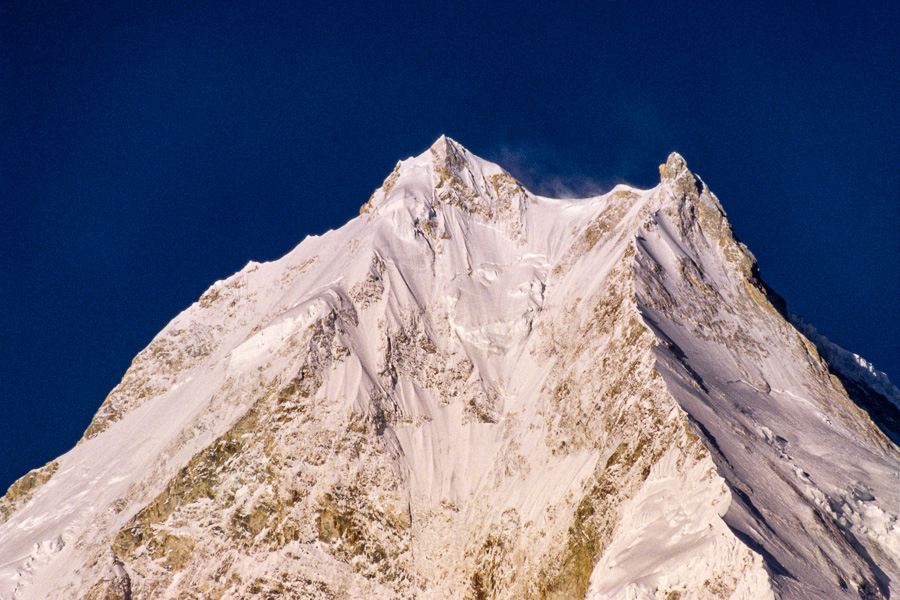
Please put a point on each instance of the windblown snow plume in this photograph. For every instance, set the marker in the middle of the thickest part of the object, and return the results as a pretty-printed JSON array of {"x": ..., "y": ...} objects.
[{"x": 470, "y": 391}]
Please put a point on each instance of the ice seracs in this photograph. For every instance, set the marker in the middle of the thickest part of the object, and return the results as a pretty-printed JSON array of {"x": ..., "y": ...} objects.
[{"x": 470, "y": 391}]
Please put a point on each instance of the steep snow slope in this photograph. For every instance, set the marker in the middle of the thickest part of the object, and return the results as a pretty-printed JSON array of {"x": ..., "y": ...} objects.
[{"x": 473, "y": 392}]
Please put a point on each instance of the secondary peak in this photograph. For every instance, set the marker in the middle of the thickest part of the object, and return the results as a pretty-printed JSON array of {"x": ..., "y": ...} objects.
[{"x": 674, "y": 166}]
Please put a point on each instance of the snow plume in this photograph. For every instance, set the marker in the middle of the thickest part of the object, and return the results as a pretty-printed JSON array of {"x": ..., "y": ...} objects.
[
  {"x": 850, "y": 365},
  {"x": 542, "y": 171}
]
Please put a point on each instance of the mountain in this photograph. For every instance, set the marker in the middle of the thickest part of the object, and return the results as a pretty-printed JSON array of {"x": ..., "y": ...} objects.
[{"x": 470, "y": 391}]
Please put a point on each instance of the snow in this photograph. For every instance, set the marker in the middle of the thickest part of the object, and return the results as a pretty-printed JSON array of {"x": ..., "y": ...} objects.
[
  {"x": 677, "y": 539},
  {"x": 491, "y": 371},
  {"x": 851, "y": 365}
]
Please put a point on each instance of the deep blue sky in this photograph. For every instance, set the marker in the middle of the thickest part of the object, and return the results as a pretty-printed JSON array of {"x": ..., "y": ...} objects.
[{"x": 147, "y": 152}]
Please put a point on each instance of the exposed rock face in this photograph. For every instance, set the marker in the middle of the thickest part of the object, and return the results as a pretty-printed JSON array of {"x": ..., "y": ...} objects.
[{"x": 473, "y": 392}]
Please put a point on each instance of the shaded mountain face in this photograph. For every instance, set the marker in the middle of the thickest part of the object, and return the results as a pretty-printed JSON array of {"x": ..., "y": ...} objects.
[{"x": 470, "y": 391}]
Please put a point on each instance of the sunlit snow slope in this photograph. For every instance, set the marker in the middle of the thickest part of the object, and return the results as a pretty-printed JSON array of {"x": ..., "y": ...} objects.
[{"x": 470, "y": 391}]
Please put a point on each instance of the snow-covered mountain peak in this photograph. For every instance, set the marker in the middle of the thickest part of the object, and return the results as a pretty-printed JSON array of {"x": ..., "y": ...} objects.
[
  {"x": 675, "y": 176},
  {"x": 447, "y": 177},
  {"x": 674, "y": 166},
  {"x": 677, "y": 181},
  {"x": 449, "y": 153},
  {"x": 471, "y": 391}
]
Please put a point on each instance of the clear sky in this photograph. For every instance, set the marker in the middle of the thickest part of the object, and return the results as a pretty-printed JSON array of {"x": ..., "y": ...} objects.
[{"x": 148, "y": 152}]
